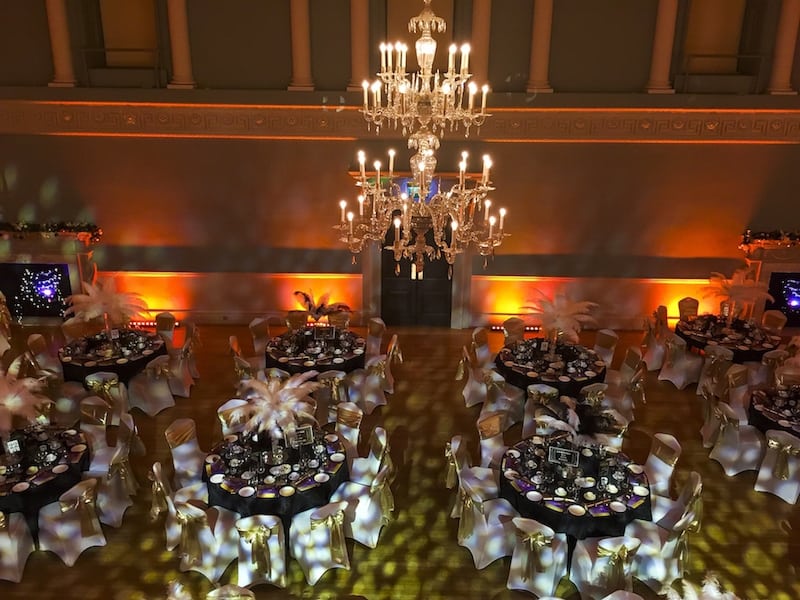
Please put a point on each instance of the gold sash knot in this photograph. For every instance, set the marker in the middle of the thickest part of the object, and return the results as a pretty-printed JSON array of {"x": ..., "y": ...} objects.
[
  {"x": 378, "y": 368},
  {"x": 84, "y": 505},
  {"x": 725, "y": 422},
  {"x": 122, "y": 468},
  {"x": 595, "y": 397},
  {"x": 335, "y": 523},
  {"x": 103, "y": 387},
  {"x": 618, "y": 563},
  {"x": 395, "y": 355},
  {"x": 451, "y": 479},
  {"x": 159, "y": 370},
  {"x": 159, "y": 503},
  {"x": 3, "y": 521},
  {"x": 462, "y": 369},
  {"x": 258, "y": 538},
  {"x": 382, "y": 490},
  {"x": 784, "y": 451},
  {"x": 334, "y": 384},
  {"x": 466, "y": 522},
  {"x": 636, "y": 386},
  {"x": 533, "y": 544},
  {"x": 190, "y": 547}
]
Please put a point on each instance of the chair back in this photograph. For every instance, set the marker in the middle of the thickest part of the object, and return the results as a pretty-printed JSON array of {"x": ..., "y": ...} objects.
[
  {"x": 513, "y": 330},
  {"x": 787, "y": 375},
  {"x": 480, "y": 346},
  {"x": 225, "y": 415},
  {"x": 339, "y": 319},
  {"x": 296, "y": 319},
  {"x": 375, "y": 330},
  {"x": 259, "y": 330},
  {"x": 773, "y": 321},
  {"x": 262, "y": 550},
  {"x": 779, "y": 472},
  {"x": 165, "y": 327},
  {"x": 665, "y": 450},
  {"x": 180, "y": 432},
  {"x": 539, "y": 559},
  {"x": 687, "y": 308},
  {"x": 37, "y": 344}
]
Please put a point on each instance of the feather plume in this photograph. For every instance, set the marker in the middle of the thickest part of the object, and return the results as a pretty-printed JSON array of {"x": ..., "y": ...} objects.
[
  {"x": 21, "y": 398},
  {"x": 562, "y": 314},
  {"x": 321, "y": 308},
  {"x": 710, "y": 589},
  {"x": 102, "y": 298},
  {"x": 275, "y": 406},
  {"x": 740, "y": 288}
]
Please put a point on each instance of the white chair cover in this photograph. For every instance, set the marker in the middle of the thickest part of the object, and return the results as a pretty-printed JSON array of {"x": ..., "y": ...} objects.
[
  {"x": 394, "y": 356},
  {"x": 687, "y": 308},
  {"x": 180, "y": 378},
  {"x": 738, "y": 447},
  {"x": 763, "y": 373},
  {"x": 165, "y": 328},
  {"x": 187, "y": 457},
  {"x": 513, "y": 331},
  {"x": 480, "y": 347},
  {"x": 653, "y": 348},
  {"x": 116, "y": 488},
  {"x": 364, "y": 470},
  {"x": 95, "y": 418},
  {"x": 779, "y": 473},
  {"x": 192, "y": 343},
  {"x": 605, "y": 345},
  {"x": 259, "y": 331},
  {"x": 16, "y": 543},
  {"x": 538, "y": 395},
  {"x": 603, "y": 565},
  {"x": 330, "y": 394},
  {"x": 316, "y": 540},
  {"x": 262, "y": 551},
  {"x": 716, "y": 363},
  {"x": 348, "y": 426},
  {"x": 369, "y": 391},
  {"x": 369, "y": 508},
  {"x": 490, "y": 429},
  {"x": 665, "y": 450},
  {"x": 737, "y": 389},
  {"x": 667, "y": 512},
  {"x": 107, "y": 385},
  {"x": 474, "y": 391},
  {"x": 773, "y": 321},
  {"x": 224, "y": 415},
  {"x": 680, "y": 366},
  {"x": 149, "y": 391},
  {"x": 70, "y": 526},
  {"x": 230, "y": 592},
  {"x": 256, "y": 363},
  {"x": 502, "y": 397},
  {"x": 539, "y": 560},
  {"x": 47, "y": 362},
  {"x": 375, "y": 330},
  {"x": 208, "y": 540},
  {"x": 485, "y": 527},
  {"x": 482, "y": 481}
]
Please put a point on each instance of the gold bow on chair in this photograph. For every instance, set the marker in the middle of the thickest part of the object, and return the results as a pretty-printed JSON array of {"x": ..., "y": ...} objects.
[
  {"x": 595, "y": 397},
  {"x": 466, "y": 522},
  {"x": 636, "y": 385},
  {"x": 451, "y": 479},
  {"x": 158, "y": 370},
  {"x": 533, "y": 544},
  {"x": 334, "y": 384},
  {"x": 717, "y": 365},
  {"x": 784, "y": 451},
  {"x": 725, "y": 421},
  {"x": 84, "y": 505},
  {"x": 461, "y": 370},
  {"x": 258, "y": 538},
  {"x": 3, "y": 521},
  {"x": 618, "y": 563},
  {"x": 395, "y": 355},
  {"x": 103, "y": 387},
  {"x": 378, "y": 367},
  {"x": 348, "y": 418},
  {"x": 159, "y": 504},
  {"x": 93, "y": 414},
  {"x": 190, "y": 546},
  {"x": 380, "y": 488},
  {"x": 122, "y": 467},
  {"x": 335, "y": 523}
]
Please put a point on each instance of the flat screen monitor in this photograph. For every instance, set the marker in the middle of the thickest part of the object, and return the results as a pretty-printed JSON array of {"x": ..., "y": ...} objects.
[{"x": 35, "y": 289}]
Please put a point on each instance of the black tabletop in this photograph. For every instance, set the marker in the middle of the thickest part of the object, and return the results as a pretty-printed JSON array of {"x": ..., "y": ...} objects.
[
  {"x": 747, "y": 341},
  {"x": 773, "y": 408},
  {"x": 316, "y": 348}
]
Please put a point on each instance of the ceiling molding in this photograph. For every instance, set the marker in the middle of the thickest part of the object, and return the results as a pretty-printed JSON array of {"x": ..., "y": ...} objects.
[{"x": 341, "y": 123}]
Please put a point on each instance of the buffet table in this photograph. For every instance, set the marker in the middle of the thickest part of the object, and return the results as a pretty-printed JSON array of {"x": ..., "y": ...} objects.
[
  {"x": 569, "y": 369},
  {"x": 747, "y": 340},
  {"x": 254, "y": 477},
  {"x": 318, "y": 348},
  {"x": 48, "y": 462},
  {"x": 588, "y": 491},
  {"x": 126, "y": 355}
]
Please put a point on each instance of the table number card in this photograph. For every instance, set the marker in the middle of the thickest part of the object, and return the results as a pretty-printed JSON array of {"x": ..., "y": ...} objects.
[
  {"x": 324, "y": 333},
  {"x": 304, "y": 435},
  {"x": 115, "y": 334},
  {"x": 563, "y": 456},
  {"x": 12, "y": 446}
]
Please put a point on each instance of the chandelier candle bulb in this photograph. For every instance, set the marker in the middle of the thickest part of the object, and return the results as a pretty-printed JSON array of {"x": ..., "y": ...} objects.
[
  {"x": 391, "y": 163},
  {"x": 486, "y": 204},
  {"x": 365, "y": 87},
  {"x": 361, "y": 206},
  {"x": 491, "y": 226},
  {"x": 451, "y": 59},
  {"x": 472, "y": 89},
  {"x": 350, "y": 218},
  {"x": 382, "y": 48},
  {"x": 377, "y": 165},
  {"x": 502, "y": 218},
  {"x": 464, "y": 60},
  {"x": 362, "y": 159},
  {"x": 389, "y": 52},
  {"x": 343, "y": 206},
  {"x": 485, "y": 91}
]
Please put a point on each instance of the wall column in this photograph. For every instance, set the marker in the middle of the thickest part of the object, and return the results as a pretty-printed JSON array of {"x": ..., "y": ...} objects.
[
  {"x": 785, "y": 42},
  {"x": 663, "y": 41},
  {"x": 301, "y": 47},
  {"x": 539, "y": 75},
  {"x": 60, "y": 46},
  {"x": 359, "y": 44},
  {"x": 182, "y": 76},
  {"x": 479, "y": 44}
]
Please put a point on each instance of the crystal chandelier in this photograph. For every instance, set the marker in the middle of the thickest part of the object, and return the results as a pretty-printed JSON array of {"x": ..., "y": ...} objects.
[{"x": 404, "y": 211}]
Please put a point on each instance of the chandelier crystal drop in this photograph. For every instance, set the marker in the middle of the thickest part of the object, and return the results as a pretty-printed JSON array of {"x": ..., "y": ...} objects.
[{"x": 408, "y": 213}]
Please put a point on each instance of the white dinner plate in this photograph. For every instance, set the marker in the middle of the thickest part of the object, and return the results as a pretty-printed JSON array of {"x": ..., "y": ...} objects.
[
  {"x": 563, "y": 378},
  {"x": 537, "y": 440},
  {"x": 532, "y": 374},
  {"x": 66, "y": 359},
  {"x": 511, "y": 474},
  {"x": 60, "y": 468},
  {"x": 247, "y": 491},
  {"x": 248, "y": 475},
  {"x": 590, "y": 374},
  {"x": 358, "y": 351},
  {"x": 587, "y": 452},
  {"x": 337, "y": 457},
  {"x": 70, "y": 432},
  {"x": 509, "y": 363},
  {"x": 587, "y": 482},
  {"x": 147, "y": 352},
  {"x": 640, "y": 490},
  {"x": 231, "y": 438},
  {"x": 313, "y": 463},
  {"x": 286, "y": 491},
  {"x": 784, "y": 423},
  {"x": 212, "y": 458},
  {"x": 309, "y": 363},
  {"x": 338, "y": 360},
  {"x": 331, "y": 437},
  {"x": 589, "y": 496},
  {"x": 122, "y": 361},
  {"x": 217, "y": 478},
  {"x": 321, "y": 477},
  {"x": 21, "y": 486},
  {"x": 767, "y": 345},
  {"x": 280, "y": 469},
  {"x": 513, "y": 453},
  {"x": 78, "y": 448},
  {"x": 743, "y": 347},
  {"x": 576, "y": 510},
  {"x": 90, "y": 363},
  {"x": 635, "y": 469},
  {"x": 269, "y": 480},
  {"x": 560, "y": 491},
  {"x": 617, "y": 506},
  {"x": 611, "y": 488},
  {"x": 283, "y": 359},
  {"x": 533, "y": 496}
]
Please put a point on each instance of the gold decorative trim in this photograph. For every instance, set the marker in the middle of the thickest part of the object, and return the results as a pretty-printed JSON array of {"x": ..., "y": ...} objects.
[{"x": 295, "y": 122}]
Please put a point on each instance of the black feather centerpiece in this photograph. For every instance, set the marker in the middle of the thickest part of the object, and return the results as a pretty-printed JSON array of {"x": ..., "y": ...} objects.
[{"x": 320, "y": 309}]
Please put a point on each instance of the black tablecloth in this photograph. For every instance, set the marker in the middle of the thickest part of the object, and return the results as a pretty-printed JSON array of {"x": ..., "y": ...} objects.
[
  {"x": 348, "y": 359},
  {"x": 77, "y": 371},
  {"x": 45, "y": 486},
  {"x": 599, "y": 521},
  {"x": 267, "y": 499},
  {"x": 569, "y": 385},
  {"x": 767, "y": 419},
  {"x": 741, "y": 354}
]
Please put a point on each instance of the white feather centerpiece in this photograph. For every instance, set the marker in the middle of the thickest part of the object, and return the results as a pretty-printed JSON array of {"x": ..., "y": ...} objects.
[
  {"x": 276, "y": 406},
  {"x": 709, "y": 590},
  {"x": 101, "y": 299},
  {"x": 561, "y": 316},
  {"x": 740, "y": 291},
  {"x": 321, "y": 308},
  {"x": 22, "y": 399}
]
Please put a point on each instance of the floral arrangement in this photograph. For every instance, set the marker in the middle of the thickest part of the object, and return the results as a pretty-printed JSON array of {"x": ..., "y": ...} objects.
[
  {"x": 318, "y": 309},
  {"x": 709, "y": 590},
  {"x": 102, "y": 300},
  {"x": 561, "y": 315},
  {"x": 85, "y": 232},
  {"x": 739, "y": 290},
  {"x": 21, "y": 398},
  {"x": 274, "y": 406}
]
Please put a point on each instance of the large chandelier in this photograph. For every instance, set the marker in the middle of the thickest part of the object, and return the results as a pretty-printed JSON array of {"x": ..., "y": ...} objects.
[{"x": 409, "y": 211}]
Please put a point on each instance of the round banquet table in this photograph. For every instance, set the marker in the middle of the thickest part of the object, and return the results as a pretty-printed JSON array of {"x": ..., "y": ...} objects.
[
  {"x": 127, "y": 357},
  {"x": 318, "y": 348},
  {"x": 51, "y": 461},
  {"x": 529, "y": 362},
  {"x": 774, "y": 408},
  {"x": 250, "y": 479},
  {"x": 747, "y": 341},
  {"x": 557, "y": 497}
]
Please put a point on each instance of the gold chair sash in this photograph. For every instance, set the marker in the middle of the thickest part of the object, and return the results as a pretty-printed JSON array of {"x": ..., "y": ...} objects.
[
  {"x": 395, "y": 355},
  {"x": 717, "y": 365},
  {"x": 784, "y": 451},
  {"x": 619, "y": 561},
  {"x": 348, "y": 418},
  {"x": 773, "y": 361},
  {"x": 95, "y": 414},
  {"x": 3, "y": 521},
  {"x": 122, "y": 468},
  {"x": 533, "y": 543},
  {"x": 158, "y": 369},
  {"x": 159, "y": 493},
  {"x": 103, "y": 387},
  {"x": 737, "y": 377},
  {"x": 466, "y": 522},
  {"x": 710, "y": 404},
  {"x": 381, "y": 489},
  {"x": 725, "y": 421},
  {"x": 673, "y": 349},
  {"x": 378, "y": 368},
  {"x": 258, "y": 538},
  {"x": 594, "y": 397},
  {"x": 334, "y": 385},
  {"x": 461, "y": 370},
  {"x": 177, "y": 436},
  {"x": 451, "y": 479},
  {"x": 190, "y": 546},
  {"x": 335, "y": 523},
  {"x": 665, "y": 453},
  {"x": 242, "y": 370},
  {"x": 636, "y": 385},
  {"x": 84, "y": 505}
]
